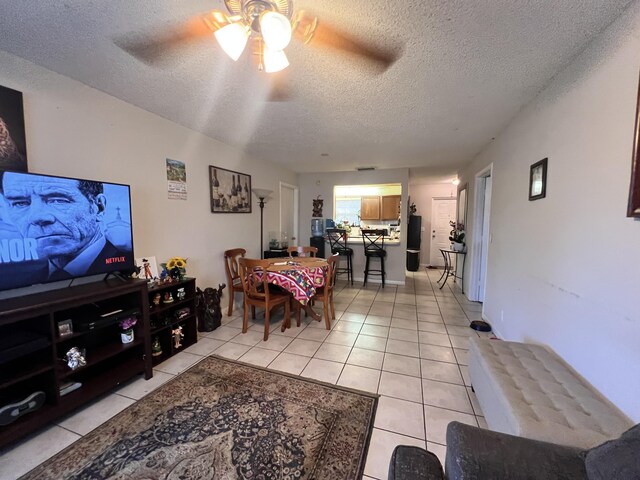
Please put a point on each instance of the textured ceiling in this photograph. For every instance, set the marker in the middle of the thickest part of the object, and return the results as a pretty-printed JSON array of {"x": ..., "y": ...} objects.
[{"x": 467, "y": 67}]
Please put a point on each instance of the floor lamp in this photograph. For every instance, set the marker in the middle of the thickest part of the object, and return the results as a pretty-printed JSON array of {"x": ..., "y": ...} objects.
[{"x": 262, "y": 195}]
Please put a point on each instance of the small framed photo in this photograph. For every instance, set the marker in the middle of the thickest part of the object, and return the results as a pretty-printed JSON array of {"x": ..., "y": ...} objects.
[
  {"x": 65, "y": 327},
  {"x": 538, "y": 180}
]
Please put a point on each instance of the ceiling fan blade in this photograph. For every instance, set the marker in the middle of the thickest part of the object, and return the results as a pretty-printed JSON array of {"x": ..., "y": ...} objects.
[
  {"x": 310, "y": 30},
  {"x": 156, "y": 48}
]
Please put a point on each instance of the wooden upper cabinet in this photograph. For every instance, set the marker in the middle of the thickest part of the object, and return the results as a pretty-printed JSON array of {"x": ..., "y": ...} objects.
[
  {"x": 370, "y": 208},
  {"x": 390, "y": 207}
]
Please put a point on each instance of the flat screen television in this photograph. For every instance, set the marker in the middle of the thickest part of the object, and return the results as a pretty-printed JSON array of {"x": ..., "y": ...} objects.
[{"x": 57, "y": 228}]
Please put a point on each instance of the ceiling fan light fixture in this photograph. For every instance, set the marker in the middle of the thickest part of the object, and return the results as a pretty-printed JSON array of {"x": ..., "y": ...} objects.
[
  {"x": 233, "y": 39},
  {"x": 275, "y": 29},
  {"x": 274, "y": 60}
]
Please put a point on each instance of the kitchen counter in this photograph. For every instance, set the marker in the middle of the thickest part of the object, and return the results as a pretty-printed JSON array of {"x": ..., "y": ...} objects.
[{"x": 358, "y": 239}]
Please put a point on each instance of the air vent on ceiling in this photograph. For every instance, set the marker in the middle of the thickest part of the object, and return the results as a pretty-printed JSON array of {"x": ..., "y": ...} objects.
[{"x": 365, "y": 169}]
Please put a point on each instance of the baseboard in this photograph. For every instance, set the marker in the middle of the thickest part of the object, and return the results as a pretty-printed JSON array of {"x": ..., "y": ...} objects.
[{"x": 379, "y": 282}]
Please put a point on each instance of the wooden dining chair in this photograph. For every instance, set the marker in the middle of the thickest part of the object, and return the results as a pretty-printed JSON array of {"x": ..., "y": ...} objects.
[
  {"x": 256, "y": 293},
  {"x": 233, "y": 274},
  {"x": 303, "y": 251},
  {"x": 324, "y": 294}
]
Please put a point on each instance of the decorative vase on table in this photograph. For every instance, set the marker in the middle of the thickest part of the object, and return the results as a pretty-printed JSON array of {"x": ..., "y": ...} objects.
[
  {"x": 126, "y": 329},
  {"x": 127, "y": 336}
]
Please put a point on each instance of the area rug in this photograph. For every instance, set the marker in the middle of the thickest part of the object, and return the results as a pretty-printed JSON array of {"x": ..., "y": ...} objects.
[{"x": 227, "y": 420}]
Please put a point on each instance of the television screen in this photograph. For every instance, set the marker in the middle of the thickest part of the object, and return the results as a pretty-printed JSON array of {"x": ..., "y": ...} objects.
[{"x": 55, "y": 228}]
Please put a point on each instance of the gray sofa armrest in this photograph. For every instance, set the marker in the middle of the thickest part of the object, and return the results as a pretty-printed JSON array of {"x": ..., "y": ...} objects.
[
  {"x": 475, "y": 453},
  {"x": 414, "y": 463}
]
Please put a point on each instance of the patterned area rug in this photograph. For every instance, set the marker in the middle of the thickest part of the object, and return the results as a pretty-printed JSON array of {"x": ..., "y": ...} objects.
[{"x": 227, "y": 420}]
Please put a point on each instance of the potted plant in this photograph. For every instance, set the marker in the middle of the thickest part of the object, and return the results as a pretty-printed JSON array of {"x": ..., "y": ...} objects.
[
  {"x": 456, "y": 236},
  {"x": 126, "y": 329}
]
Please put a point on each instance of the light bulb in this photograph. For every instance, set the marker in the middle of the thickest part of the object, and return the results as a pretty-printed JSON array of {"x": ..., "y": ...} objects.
[
  {"x": 456, "y": 181},
  {"x": 233, "y": 38},
  {"x": 276, "y": 30},
  {"x": 274, "y": 60}
]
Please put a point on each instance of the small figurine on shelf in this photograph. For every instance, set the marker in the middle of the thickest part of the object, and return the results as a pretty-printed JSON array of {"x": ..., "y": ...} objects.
[
  {"x": 181, "y": 294},
  {"x": 168, "y": 298},
  {"x": 76, "y": 358},
  {"x": 156, "y": 299},
  {"x": 177, "y": 336},
  {"x": 156, "y": 348},
  {"x": 164, "y": 275}
]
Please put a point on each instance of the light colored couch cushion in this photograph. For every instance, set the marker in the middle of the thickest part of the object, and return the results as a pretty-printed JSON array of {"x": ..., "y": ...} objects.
[{"x": 527, "y": 390}]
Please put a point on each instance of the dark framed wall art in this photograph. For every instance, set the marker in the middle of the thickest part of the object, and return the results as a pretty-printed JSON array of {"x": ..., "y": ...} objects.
[
  {"x": 13, "y": 144},
  {"x": 230, "y": 191},
  {"x": 538, "y": 180},
  {"x": 633, "y": 210}
]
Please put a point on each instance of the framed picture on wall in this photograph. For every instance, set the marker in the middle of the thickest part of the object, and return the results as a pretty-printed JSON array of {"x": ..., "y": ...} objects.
[
  {"x": 230, "y": 191},
  {"x": 633, "y": 210},
  {"x": 538, "y": 180},
  {"x": 13, "y": 145}
]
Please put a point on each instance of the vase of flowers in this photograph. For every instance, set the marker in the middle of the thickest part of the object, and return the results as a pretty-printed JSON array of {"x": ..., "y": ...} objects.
[
  {"x": 456, "y": 236},
  {"x": 176, "y": 268},
  {"x": 126, "y": 329}
]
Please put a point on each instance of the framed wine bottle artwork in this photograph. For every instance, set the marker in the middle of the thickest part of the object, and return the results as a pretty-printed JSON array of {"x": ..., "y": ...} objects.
[{"x": 230, "y": 191}]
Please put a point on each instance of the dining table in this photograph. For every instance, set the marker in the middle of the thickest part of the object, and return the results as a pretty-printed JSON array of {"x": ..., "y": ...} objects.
[{"x": 300, "y": 276}]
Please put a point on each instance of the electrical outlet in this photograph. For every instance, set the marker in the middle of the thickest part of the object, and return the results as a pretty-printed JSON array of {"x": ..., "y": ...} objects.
[{"x": 422, "y": 229}]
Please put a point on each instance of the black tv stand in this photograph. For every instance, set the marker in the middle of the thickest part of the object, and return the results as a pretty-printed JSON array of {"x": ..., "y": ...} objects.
[{"x": 39, "y": 330}]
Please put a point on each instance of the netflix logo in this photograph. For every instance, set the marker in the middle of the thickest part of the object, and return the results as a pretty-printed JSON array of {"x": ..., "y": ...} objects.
[{"x": 114, "y": 260}]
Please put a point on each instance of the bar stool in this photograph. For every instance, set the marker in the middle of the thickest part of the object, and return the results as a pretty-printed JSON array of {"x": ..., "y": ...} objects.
[
  {"x": 338, "y": 242},
  {"x": 373, "y": 242}
]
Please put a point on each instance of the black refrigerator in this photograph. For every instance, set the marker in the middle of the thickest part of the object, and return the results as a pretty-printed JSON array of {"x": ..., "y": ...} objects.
[
  {"x": 413, "y": 232},
  {"x": 413, "y": 243}
]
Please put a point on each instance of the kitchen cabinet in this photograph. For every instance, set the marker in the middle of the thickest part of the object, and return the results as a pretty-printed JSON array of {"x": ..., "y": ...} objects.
[
  {"x": 370, "y": 208},
  {"x": 390, "y": 207}
]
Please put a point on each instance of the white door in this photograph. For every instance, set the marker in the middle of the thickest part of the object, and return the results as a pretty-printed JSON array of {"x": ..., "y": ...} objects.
[
  {"x": 443, "y": 210},
  {"x": 486, "y": 238},
  {"x": 288, "y": 212}
]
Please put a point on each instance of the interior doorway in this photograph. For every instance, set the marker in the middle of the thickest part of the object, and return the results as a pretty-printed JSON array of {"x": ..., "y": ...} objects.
[
  {"x": 443, "y": 210},
  {"x": 481, "y": 234},
  {"x": 289, "y": 212}
]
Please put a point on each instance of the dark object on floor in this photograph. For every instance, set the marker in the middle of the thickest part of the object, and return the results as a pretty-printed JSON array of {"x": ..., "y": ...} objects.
[
  {"x": 413, "y": 260},
  {"x": 208, "y": 308},
  {"x": 475, "y": 453},
  {"x": 10, "y": 413},
  {"x": 414, "y": 463},
  {"x": 480, "y": 326},
  {"x": 224, "y": 419}
]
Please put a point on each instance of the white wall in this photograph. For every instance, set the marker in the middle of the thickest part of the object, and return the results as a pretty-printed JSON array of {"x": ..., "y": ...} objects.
[
  {"x": 314, "y": 184},
  {"x": 74, "y": 130},
  {"x": 565, "y": 270},
  {"x": 422, "y": 196}
]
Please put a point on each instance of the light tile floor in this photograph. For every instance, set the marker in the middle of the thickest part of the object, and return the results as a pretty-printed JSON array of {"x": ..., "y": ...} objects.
[{"x": 407, "y": 343}]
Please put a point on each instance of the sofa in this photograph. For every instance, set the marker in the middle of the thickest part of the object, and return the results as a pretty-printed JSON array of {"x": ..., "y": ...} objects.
[
  {"x": 476, "y": 453},
  {"x": 529, "y": 391}
]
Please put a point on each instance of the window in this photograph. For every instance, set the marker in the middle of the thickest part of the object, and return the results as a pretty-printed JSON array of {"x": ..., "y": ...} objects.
[{"x": 348, "y": 208}]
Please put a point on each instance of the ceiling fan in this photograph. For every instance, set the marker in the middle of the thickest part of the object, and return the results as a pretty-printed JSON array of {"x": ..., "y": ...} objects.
[{"x": 269, "y": 25}]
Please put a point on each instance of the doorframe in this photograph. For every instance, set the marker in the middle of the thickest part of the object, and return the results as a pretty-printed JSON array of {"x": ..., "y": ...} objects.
[
  {"x": 296, "y": 208},
  {"x": 433, "y": 199},
  {"x": 479, "y": 233}
]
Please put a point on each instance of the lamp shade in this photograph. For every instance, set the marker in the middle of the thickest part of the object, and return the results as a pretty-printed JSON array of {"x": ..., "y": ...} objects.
[
  {"x": 276, "y": 30},
  {"x": 233, "y": 38},
  {"x": 274, "y": 60},
  {"x": 261, "y": 193}
]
